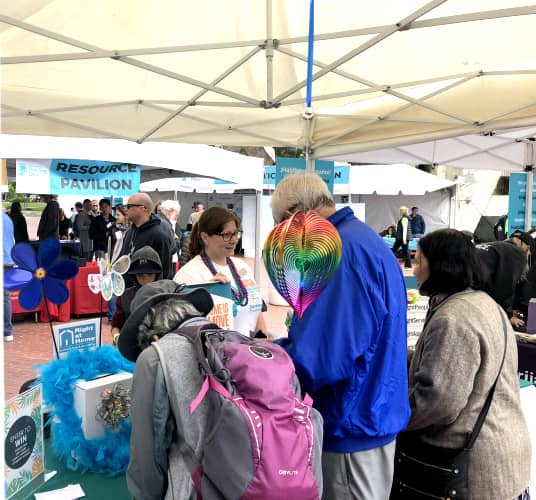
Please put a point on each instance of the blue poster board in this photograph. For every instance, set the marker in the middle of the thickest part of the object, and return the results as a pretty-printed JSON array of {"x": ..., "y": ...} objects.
[
  {"x": 289, "y": 166},
  {"x": 516, "y": 202}
]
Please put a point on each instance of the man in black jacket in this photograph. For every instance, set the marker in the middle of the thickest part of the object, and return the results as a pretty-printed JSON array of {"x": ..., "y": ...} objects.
[
  {"x": 146, "y": 229},
  {"x": 99, "y": 228},
  {"x": 49, "y": 224}
]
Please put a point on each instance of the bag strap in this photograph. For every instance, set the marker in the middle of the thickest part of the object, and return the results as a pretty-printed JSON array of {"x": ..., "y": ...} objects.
[
  {"x": 483, "y": 413},
  {"x": 194, "y": 334},
  {"x": 191, "y": 461}
]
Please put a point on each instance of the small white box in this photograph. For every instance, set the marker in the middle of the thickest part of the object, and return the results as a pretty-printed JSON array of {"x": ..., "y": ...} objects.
[{"x": 87, "y": 397}]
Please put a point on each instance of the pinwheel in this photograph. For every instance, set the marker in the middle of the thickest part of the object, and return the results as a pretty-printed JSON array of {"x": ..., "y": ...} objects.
[
  {"x": 301, "y": 254},
  {"x": 110, "y": 281},
  {"x": 39, "y": 277}
]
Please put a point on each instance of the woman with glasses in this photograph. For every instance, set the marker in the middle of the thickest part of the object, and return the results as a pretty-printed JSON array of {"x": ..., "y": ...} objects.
[{"x": 213, "y": 241}]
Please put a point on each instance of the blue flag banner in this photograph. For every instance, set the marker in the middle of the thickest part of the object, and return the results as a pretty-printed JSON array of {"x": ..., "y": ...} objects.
[
  {"x": 95, "y": 178},
  {"x": 289, "y": 166},
  {"x": 516, "y": 202}
]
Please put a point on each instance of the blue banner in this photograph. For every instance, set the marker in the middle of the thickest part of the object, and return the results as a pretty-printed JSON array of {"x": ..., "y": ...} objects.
[
  {"x": 289, "y": 166},
  {"x": 341, "y": 175},
  {"x": 94, "y": 178},
  {"x": 516, "y": 202}
]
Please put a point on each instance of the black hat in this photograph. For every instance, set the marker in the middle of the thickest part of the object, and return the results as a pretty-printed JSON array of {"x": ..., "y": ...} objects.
[
  {"x": 145, "y": 260},
  {"x": 146, "y": 297},
  {"x": 525, "y": 238}
]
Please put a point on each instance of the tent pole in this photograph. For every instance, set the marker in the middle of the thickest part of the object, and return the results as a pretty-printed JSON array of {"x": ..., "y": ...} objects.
[
  {"x": 529, "y": 164},
  {"x": 257, "y": 262}
]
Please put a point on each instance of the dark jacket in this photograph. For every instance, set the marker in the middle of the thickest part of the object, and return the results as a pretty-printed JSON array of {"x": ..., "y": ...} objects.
[
  {"x": 502, "y": 265},
  {"x": 49, "y": 223},
  {"x": 20, "y": 228},
  {"x": 417, "y": 224},
  {"x": 98, "y": 231},
  {"x": 153, "y": 234}
]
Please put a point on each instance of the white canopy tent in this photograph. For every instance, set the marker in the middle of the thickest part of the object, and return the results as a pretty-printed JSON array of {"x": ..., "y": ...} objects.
[
  {"x": 385, "y": 188},
  {"x": 386, "y": 73},
  {"x": 157, "y": 159}
]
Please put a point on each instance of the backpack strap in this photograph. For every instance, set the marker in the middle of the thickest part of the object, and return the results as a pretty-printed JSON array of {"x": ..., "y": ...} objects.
[{"x": 192, "y": 463}]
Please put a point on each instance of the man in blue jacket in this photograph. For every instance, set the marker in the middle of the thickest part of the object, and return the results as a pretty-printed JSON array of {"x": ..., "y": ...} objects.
[{"x": 350, "y": 349}]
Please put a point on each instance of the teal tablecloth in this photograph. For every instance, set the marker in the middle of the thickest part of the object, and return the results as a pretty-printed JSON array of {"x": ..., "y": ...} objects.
[{"x": 95, "y": 486}]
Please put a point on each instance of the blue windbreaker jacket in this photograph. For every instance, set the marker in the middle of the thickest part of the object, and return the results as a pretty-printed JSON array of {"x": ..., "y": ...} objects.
[{"x": 350, "y": 346}]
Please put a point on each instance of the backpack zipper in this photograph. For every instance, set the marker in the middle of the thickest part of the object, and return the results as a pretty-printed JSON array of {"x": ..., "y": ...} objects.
[{"x": 423, "y": 492}]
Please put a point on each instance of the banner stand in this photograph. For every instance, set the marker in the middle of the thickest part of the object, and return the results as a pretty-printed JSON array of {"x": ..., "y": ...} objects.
[{"x": 29, "y": 490}]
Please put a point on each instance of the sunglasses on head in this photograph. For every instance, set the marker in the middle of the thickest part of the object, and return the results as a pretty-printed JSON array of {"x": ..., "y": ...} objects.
[{"x": 130, "y": 205}]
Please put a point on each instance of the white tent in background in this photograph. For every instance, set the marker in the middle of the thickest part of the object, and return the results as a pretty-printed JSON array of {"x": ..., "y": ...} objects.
[{"x": 157, "y": 159}]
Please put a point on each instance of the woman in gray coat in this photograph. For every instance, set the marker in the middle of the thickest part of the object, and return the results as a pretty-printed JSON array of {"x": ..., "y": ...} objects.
[{"x": 456, "y": 361}]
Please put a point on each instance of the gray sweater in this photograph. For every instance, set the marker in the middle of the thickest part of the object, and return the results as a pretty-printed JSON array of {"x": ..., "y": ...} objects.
[
  {"x": 157, "y": 469},
  {"x": 456, "y": 361}
]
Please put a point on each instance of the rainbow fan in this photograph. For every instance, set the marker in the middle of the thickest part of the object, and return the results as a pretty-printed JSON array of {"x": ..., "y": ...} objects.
[{"x": 301, "y": 254}]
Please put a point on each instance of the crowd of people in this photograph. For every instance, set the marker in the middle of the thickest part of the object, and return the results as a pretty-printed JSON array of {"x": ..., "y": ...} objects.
[{"x": 380, "y": 404}]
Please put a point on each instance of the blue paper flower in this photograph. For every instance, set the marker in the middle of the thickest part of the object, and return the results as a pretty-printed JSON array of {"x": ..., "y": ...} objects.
[{"x": 39, "y": 277}]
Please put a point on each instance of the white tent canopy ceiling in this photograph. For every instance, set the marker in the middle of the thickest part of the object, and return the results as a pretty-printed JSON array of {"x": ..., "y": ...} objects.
[
  {"x": 511, "y": 150},
  {"x": 386, "y": 73}
]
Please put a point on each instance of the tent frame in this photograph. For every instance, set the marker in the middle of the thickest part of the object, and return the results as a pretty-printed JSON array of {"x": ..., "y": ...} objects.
[{"x": 454, "y": 125}]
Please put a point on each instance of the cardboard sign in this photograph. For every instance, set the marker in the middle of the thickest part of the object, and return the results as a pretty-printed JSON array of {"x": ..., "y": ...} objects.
[
  {"x": 23, "y": 441},
  {"x": 417, "y": 309},
  {"x": 77, "y": 335}
]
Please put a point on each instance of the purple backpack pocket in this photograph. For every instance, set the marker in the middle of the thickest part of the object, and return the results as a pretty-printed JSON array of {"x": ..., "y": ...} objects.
[{"x": 265, "y": 440}]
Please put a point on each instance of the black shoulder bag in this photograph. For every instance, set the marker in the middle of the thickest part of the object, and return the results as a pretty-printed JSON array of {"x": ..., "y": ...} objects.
[{"x": 424, "y": 471}]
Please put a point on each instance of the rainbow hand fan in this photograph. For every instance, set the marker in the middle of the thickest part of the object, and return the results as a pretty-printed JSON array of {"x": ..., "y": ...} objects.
[{"x": 301, "y": 254}]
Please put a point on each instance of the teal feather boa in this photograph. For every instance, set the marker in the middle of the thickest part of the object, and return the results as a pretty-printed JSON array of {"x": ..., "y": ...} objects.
[{"x": 109, "y": 454}]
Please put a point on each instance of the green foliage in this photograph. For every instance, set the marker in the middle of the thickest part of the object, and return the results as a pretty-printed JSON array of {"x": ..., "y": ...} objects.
[
  {"x": 289, "y": 152},
  {"x": 11, "y": 193}
]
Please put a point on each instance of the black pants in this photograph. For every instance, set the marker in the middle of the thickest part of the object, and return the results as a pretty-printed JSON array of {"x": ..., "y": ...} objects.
[{"x": 405, "y": 249}]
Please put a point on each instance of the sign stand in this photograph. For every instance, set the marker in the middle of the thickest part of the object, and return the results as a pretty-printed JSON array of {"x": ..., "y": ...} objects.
[{"x": 24, "y": 451}]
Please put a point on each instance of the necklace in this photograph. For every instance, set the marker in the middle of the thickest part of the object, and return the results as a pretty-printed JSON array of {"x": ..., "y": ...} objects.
[{"x": 239, "y": 292}]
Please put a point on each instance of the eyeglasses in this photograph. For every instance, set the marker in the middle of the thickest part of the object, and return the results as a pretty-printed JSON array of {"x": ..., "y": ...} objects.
[
  {"x": 230, "y": 236},
  {"x": 130, "y": 205}
]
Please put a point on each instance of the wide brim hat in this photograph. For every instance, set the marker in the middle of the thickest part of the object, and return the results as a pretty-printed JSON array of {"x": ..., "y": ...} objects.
[{"x": 146, "y": 297}]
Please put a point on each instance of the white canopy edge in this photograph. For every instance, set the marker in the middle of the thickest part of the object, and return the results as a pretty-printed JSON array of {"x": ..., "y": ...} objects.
[
  {"x": 195, "y": 159},
  {"x": 397, "y": 179}
]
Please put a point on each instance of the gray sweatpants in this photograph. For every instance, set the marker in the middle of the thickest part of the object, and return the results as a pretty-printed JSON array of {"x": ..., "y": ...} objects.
[{"x": 363, "y": 475}]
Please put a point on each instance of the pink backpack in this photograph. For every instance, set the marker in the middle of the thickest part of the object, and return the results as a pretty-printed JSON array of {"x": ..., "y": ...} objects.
[{"x": 265, "y": 440}]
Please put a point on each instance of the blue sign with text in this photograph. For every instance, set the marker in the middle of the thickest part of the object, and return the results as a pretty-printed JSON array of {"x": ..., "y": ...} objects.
[
  {"x": 517, "y": 203},
  {"x": 96, "y": 178},
  {"x": 289, "y": 166}
]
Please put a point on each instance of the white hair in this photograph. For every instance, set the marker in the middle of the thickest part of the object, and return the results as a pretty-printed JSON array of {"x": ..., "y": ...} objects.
[
  {"x": 170, "y": 205},
  {"x": 300, "y": 192},
  {"x": 164, "y": 317}
]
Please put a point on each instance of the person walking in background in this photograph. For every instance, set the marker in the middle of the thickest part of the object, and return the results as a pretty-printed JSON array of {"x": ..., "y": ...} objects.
[
  {"x": 78, "y": 207},
  {"x": 418, "y": 226},
  {"x": 146, "y": 229},
  {"x": 65, "y": 224},
  {"x": 94, "y": 208},
  {"x": 49, "y": 224},
  {"x": 350, "y": 348},
  {"x": 8, "y": 241},
  {"x": 403, "y": 236},
  {"x": 198, "y": 208},
  {"x": 98, "y": 229},
  {"x": 20, "y": 227},
  {"x": 83, "y": 222},
  {"x": 500, "y": 229}
]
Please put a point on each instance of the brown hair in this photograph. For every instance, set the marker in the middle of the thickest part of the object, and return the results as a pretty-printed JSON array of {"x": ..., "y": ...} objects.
[{"x": 211, "y": 222}]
